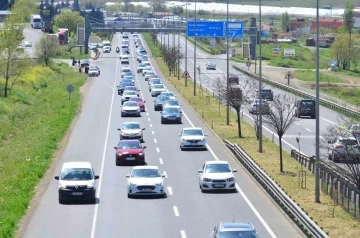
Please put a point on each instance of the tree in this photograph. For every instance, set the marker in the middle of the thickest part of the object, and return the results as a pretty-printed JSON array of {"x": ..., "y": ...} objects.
[
  {"x": 69, "y": 20},
  {"x": 76, "y": 6},
  {"x": 284, "y": 21},
  {"x": 24, "y": 9},
  {"x": 46, "y": 48},
  {"x": 158, "y": 5},
  {"x": 4, "y": 4},
  {"x": 178, "y": 10},
  {"x": 280, "y": 117},
  {"x": 349, "y": 24},
  {"x": 13, "y": 60},
  {"x": 339, "y": 50},
  {"x": 126, "y": 5}
]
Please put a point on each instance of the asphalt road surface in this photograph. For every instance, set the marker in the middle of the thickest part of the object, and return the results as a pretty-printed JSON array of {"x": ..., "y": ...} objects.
[
  {"x": 185, "y": 212},
  {"x": 32, "y": 35},
  {"x": 304, "y": 126}
]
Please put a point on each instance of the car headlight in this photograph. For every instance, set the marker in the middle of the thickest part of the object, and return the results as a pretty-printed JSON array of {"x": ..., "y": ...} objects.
[
  {"x": 165, "y": 116},
  {"x": 207, "y": 180},
  {"x": 230, "y": 179},
  {"x": 119, "y": 153},
  {"x": 141, "y": 153},
  {"x": 122, "y": 110},
  {"x": 159, "y": 184},
  {"x": 132, "y": 184},
  {"x": 90, "y": 185},
  {"x": 62, "y": 185},
  {"x": 203, "y": 139}
]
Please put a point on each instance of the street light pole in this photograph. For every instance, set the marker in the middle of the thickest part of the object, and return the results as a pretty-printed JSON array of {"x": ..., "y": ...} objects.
[
  {"x": 227, "y": 65},
  {"x": 179, "y": 51},
  {"x": 195, "y": 53},
  {"x": 186, "y": 41},
  {"x": 173, "y": 26},
  {"x": 260, "y": 84}
]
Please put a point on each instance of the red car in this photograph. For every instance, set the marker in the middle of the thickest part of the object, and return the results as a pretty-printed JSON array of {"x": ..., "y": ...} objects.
[
  {"x": 140, "y": 102},
  {"x": 130, "y": 152}
]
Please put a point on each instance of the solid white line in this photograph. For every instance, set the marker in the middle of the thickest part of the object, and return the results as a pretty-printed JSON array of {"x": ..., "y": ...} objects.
[
  {"x": 183, "y": 234},
  {"x": 107, "y": 84},
  {"x": 104, "y": 154},
  {"x": 161, "y": 161},
  {"x": 272, "y": 234},
  {"x": 308, "y": 129},
  {"x": 150, "y": 125},
  {"x": 297, "y": 123},
  {"x": 176, "y": 211},
  {"x": 155, "y": 140},
  {"x": 329, "y": 121},
  {"x": 157, "y": 149},
  {"x": 170, "y": 190}
]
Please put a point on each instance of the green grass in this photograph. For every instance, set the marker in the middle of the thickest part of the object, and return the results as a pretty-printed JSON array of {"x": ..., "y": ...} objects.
[
  {"x": 310, "y": 76},
  {"x": 153, "y": 48},
  {"x": 341, "y": 225},
  {"x": 74, "y": 52},
  {"x": 348, "y": 94},
  {"x": 34, "y": 120}
]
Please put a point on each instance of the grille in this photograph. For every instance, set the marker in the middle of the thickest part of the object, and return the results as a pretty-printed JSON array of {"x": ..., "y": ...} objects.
[
  {"x": 79, "y": 186},
  {"x": 219, "y": 181},
  {"x": 130, "y": 110},
  {"x": 193, "y": 141},
  {"x": 145, "y": 187}
]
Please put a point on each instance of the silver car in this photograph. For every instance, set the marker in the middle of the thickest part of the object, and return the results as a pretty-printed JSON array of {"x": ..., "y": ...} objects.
[
  {"x": 210, "y": 66},
  {"x": 171, "y": 95},
  {"x": 254, "y": 108},
  {"x": 127, "y": 95},
  {"x": 344, "y": 148},
  {"x": 131, "y": 130},
  {"x": 130, "y": 109}
]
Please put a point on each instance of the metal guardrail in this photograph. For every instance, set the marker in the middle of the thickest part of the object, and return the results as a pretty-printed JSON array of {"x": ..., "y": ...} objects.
[
  {"x": 276, "y": 192},
  {"x": 344, "y": 110}
]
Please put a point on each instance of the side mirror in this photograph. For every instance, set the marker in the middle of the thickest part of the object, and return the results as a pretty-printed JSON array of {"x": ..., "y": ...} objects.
[
  {"x": 163, "y": 175},
  {"x": 143, "y": 129},
  {"x": 117, "y": 86},
  {"x": 179, "y": 134},
  {"x": 161, "y": 112},
  {"x": 144, "y": 147},
  {"x": 115, "y": 147},
  {"x": 144, "y": 101},
  {"x": 235, "y": 170},
  {"x": 205, "y": 135},
  {"x": 56, "y": 177},
  {"x": 119, "y": 129},
  {"x": 128, "y": 176},
  {"x": 97, "y": 177},
  {"x": 200, "y": 171}
]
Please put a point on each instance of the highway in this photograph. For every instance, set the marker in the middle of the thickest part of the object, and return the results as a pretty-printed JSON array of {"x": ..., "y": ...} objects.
[
  {"x": 185, "y": 212},
  {"x": 304, "y": 126},
  {"x": 32, "y": 35}
]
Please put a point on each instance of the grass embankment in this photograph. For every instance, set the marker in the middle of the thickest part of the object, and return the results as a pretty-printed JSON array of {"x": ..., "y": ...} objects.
[
  {"x": 66, "y": 53},
  {"x": 34, "y": 119},
  {"x": 310, "y": 76},
  {"x": 341, "y": 225}
]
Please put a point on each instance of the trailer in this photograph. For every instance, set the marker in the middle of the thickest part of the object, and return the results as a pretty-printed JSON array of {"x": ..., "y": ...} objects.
[{"x": 63, "y": 34}]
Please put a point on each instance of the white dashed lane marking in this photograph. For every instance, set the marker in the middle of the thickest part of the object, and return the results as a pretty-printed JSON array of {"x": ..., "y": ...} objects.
[
  {"x": 155, "y": 140},
  {"x": 157, "y": 149},
  {"x": 152, "y": 132},
  {"x": 307, "y": 129},
  {"x": 183, "y": 234},
  {"x": 176, "y": 211},
  {"x": 161, "y": 161},
  {"x": 150, "y": 125}
]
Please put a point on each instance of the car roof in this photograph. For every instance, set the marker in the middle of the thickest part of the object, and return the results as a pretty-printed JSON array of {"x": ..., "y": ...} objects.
[
  {"x": 131, "y": 122},
  {"x": 347, "y": 137},
  {"x": 146, "y": 167},
  {"x": 77, "y": 164},
  {"x": 192, "y": 128},
  {"x": 236, "y": 226},
  {"x": 216, "y": 162},
  {"x": 172, "y": 106}
]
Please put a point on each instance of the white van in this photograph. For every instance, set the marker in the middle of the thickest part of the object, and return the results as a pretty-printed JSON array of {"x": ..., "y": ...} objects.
[{"x": 106, "y": 43}]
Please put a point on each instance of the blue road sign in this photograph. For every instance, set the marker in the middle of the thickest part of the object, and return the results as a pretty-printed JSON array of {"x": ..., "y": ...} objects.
[
  {"x": 235, "y": 29},
  {"x": 205, "y": 29}
]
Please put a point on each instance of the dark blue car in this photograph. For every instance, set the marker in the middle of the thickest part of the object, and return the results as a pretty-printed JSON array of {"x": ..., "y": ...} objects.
[
  {"x": 171, "y": 114},
  {"x": 159, "y": 101}
]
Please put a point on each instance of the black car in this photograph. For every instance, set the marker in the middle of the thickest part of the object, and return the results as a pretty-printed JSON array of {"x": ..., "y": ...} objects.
[
  {"x": 159, "y": 101},
  {"x": 171, "y": 114},
  {"x": 267, "y": 94},
  {"x": 305, "y": 107},
  {"x": 122, "y": 86}
]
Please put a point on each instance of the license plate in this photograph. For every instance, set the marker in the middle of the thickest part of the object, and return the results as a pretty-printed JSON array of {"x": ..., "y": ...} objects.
[
  {"x": 193, "y": 144},
  {"x": 171, "y": 118},
  {"x": 76, "y": 193},
  {"x": 146, "y": 190},
  {"x": 130, "y": 158},
  {"x": 219, "y": 185}
]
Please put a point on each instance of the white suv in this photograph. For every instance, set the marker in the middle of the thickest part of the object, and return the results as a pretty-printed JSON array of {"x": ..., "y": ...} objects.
[{"x": 77, "y": 181}]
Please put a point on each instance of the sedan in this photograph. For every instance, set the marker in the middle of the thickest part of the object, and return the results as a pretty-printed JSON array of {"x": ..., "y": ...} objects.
[
  {"x": 142, "y": 67},
  {"x": 130, "y": 152},
  {"x": 217, "y": 175},
  {"x": 133, "y": 88},
  {"x": 147, "y": 71},
  {"x": 140, "y": 102},
  {"x": 148, "y": 75},
  {"x": 93, "y": 71},
  {"x": 106, "y": 49},
  {"x": 154, "y": 81},
  {"x": 171, "y": 114},
  {"x": 121, "y": 87},
  {"x": 130, "y": 109},
  {"x": 192, "y": 138},
  {"x": 127, "y": 95},
  {"x": 234, "y": 229},
  {"x": 159, "y": 101},
  {"x": 131, "y": 130},
  {"x": 172, "y": 103},
  {"x": 27, "y": 44},
  {"x": 157, "y": 89},
  {"x": 171, "y": 95},
  {"x": 145, "y": 180},
  {"x": 143, "y": 58},
  {"x": 210, "y": 66},
  {"x": 126, "y": 73}
]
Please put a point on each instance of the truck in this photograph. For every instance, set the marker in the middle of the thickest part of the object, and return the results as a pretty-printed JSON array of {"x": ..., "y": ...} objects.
[
  {"x": 47, "y": 26},
  {"x": 63, "y": 34},
  {"x": 36, "y": 21}
]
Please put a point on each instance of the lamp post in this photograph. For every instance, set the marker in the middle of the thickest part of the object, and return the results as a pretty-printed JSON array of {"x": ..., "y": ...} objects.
[
  {"x": 227, "y": 65},
  {"x": 195, "y": 53},
  {"x": 317, "y": 123},
  {"x": 186, "y": 41},
  {"x": 260, "y": 84}
]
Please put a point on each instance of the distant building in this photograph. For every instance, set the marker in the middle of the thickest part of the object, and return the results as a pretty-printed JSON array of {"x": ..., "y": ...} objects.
[
  {"x": 296, "y": 23},
  {"x": 330, "y": 23}
]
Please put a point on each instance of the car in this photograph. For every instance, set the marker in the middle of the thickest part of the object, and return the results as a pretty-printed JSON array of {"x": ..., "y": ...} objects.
[
  {"x": 106, "y": 49},
  {"x": 354, "y": 129},
  {"x": 131, "y": 130},
  {"x": 84, "y": 63},
  {"x": 145, "y": 180},
  {"x": 265, "y": 108},
  {"x": 305, "y": 107},
  {"x": 93, "y": 71},
  {"x": 130, "y": 109},
  {"x": 127, "y": 95},
  {"x": 140, "y": 102},
  {"x": 124, "y": 59},
  {"x": 125, "y": 70},
  {"x": 143, "y": 58},
  {"x": 125, "y": 42},
  {"x": 138, "y": 44},
  {"x": 27, "y": 44},
  {"x": 153, "y": 82},
  {"x": 141, "y": 51},
  {"x": 172, "y": 103},
  {"x": 122, "y": 85},
  {"x": 157, "y": 89},
  {"x": 138, "y": 57},
  {"x": 192, "y": 138},
  {"x": 234, "y": 229},
  {"x": 125, "y": 49},
  {"x": 135, "y": 34},
  {"x": 147, "y": 71},
  {"x": 171, "y": 114},
  {"x": 77, "y": 181},
  {"x": 216, "y": 175},
  {"x": 125, "y": 35},
  {"x": 93, "y": 46},
  {"x": 171, "y": 95},
  {"x": 147, "y": 63},
  {"x": 159, "y": 101},
  {"x": 129, "y": 78},
  {"x": 148, "y": 75},
  {"x": 267, "y": 94},
  {"x": 210, "y": 66},
  {"x": 344, "y": 148},
  {"x": 142, "y": 67},
  {"x": 106, "y": 43},
  {"x": 133, "y": 88},
  {"x": 129, "y": 152},
  {"x": 154, "y": 77}
]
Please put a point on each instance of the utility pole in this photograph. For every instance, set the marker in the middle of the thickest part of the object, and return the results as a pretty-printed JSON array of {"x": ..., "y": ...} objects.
[
  {"x": 195, "y": 53},
  {"x": 178, "y": 52},
  {"x": 227, "y": 65},
  {"x": 260, "y": 84},
  {"x": 186, "y": 41}
]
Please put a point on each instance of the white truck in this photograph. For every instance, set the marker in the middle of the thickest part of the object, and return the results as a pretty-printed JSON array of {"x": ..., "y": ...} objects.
[{"x": 36, "y": 21}]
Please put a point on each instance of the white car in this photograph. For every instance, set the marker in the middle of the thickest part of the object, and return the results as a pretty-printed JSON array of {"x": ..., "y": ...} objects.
[
  {"x": 93, "y": 71},
  {"x": 142, "y": 67},
  {"x": 145, "y": 180},
  {"x": 124, "y": 59},
  {"x": 127, "y": 95},
  {"x": 147, "y": 63},
  {"x": 27, "y": 44},
  {"x": 216, "y": 175},
  {"x": 157, "y": 89},
  {"x": 147, "y": 70},
  {"x": 131, "y": 131},
  {"x": 106, "y": 49},
  {"x": 171, "y": 95},
  {"x": 130, "y": 109},
  {"x": 125, "y": 70},
  {"x": 192, "y": 138},
  {"x": 77, "y": 181}
]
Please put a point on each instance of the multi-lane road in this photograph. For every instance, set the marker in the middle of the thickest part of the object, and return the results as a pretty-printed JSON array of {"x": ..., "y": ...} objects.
[
  {"x": 32, "y": 35},
  {"x": 304, "y": 126},
  {"x": 185, "y": 212}
]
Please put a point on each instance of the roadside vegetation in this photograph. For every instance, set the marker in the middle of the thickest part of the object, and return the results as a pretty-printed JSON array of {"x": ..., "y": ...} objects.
[{"x": 341, "y": 224}]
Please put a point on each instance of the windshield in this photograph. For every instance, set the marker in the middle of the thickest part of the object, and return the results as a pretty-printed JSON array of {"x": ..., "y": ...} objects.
[
  {"x": 172, "y": 103},
  {"x": 130, "y": 104},
  {"x": 145, "y": 173},
  {"x": 171, "y": 110},
  {"x": 237, "y": 234},
  {"x": 308, "y": 103},
  {"x": 349, "y": 142},
  {"x": 162, "y": 98},
  {"x": 129, "y": 145},
  {"x": 130, "y": 93},
  {"x": 136, "y": 99},
  {"x": 217, "y": 168},
  {"x": 37, "y": 20},
  {"x": 158, "y": 86},
  {"x": 76, "y": 174},
  {"x": 126, "y": 70},
  {"x": 131, "y": 88},
  {"x": 167, "y": 94},
  {"x": 193, "y": 132},
  {"x": 131, "y": 126}
]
